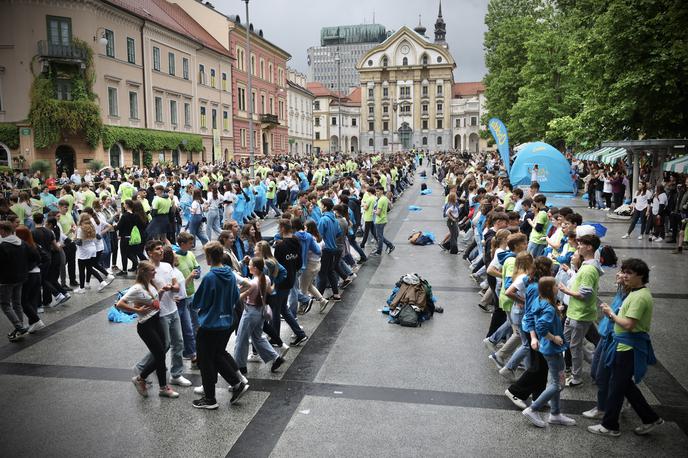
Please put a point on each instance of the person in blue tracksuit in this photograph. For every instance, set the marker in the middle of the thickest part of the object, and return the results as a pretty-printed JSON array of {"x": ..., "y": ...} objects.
[{"x": 329, "y": 229}]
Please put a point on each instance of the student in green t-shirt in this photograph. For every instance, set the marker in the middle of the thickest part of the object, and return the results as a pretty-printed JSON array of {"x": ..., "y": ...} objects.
[
  {"x": 582, "y": 310},
  {"x": 538, "y": 236},
  {"x": 381, "y": 209},
  {"x": 632, "y": 325},
  {"x": 367, "y": 208},
  {"x": 189, "y": 267}
]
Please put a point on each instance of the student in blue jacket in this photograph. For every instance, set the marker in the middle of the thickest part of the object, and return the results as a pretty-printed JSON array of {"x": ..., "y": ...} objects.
[
  {"x": 550, "y": 330},
  {"x": 215, "y": 299}
]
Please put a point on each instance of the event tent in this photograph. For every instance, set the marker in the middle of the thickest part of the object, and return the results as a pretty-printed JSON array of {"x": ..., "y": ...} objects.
[{"x": 554, "y": 171}]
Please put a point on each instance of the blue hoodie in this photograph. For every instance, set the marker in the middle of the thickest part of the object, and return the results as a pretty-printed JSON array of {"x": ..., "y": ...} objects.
[
  {"x": 308, "y": 243},
  {"x": 215, "y": 298},
  {"x": 532, "y": 308},
  {"x": 549, "y": 322},
  {"x": 315, "y": 214},
  {"x": 329, "y": 229}
]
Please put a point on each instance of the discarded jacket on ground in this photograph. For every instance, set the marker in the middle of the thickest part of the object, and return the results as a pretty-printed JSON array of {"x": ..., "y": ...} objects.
[{"x": 411, "y": 290}]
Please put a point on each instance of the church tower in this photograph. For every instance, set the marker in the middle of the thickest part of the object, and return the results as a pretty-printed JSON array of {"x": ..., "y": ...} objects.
[{"x": 440, "y": 29}]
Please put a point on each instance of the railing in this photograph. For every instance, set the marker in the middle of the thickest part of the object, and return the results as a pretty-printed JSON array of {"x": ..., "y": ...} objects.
[
  {"x": 59, "y": 51},
  {"x": 269, "y": 118}
]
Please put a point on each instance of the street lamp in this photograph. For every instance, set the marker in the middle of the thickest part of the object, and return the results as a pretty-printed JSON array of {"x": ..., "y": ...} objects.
[
  {"x": 251, "y": 146},
  {"x": 338, "y": 61},
  {"x": 395, "y": 105}
]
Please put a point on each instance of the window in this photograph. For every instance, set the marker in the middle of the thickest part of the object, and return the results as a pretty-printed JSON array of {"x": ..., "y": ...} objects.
[
  {"x": 203, "y": 118},
  {"x": 281, "y": 109},
  {"x": 158, "y": 109},
  {"x": 424, "y": 124},
  {"x": 439, "y": 89},
  {"x": 458, "y": 122},
  {"x": 112, "y": 101},
  {"x": 225, "y": 120},
  {"x": 384, "y": 61},
  {"x": 131, "y": 51},
  {"x": 170, "y": 63},
  {"x": 439, "y": 107},
  {"x": 241, "y": 98},
  {"x": 474, "y": 120},
  {"x": 242, "y": 136},
  {"x": 439, "y": 124},
  {"x": 317, "y": 121},
  {"x": 317, "y": 135},
  {"x": 353, "y": 122},
  {"x": 59, "y": 30},
  {"x": 253, "y": 64},
  {"x": 262, "y": 103},
  {"x": 262, "y": 69},
  {"x": 187, "y": 114},
  {"x": 253, "y": 101},
  {"x": 240, "y": 58},
  {"x": 385, "y": 109},
  {"x": 316, "y": 105},
  {"x": 224, "y": 81},
  {"x": 404, "y": 61},
  {"x": 133, "y": 105},
  {"x": 110, "y": 46},
  {"x": 405, "y": 92},
  {"x": 371, "y": 110},
  {"x": 371, "y": 126},
  {"x": 405, "y": 108},
  {"x": 214, "y": 118},
  {"x": 334, "y": 120},
  {"x": 385, "y": 92},
  {"x": 424, "y": 141},
  {"x": 424, "y": 61},
  {"x": 115, "y": 155},
  {"x": 370, "y": 140},
  {"x": 272, "y": 105},
  {"x": 385, "y": 125},
  {"x": 212, "y": 77},
  {"x": 439, "y": 61},
  {"x": 185, "y": 68},
  {"x": 156, "y": 58},
  {"x": 175, "y": 156},
  {"x": 173, "y": 112},
  {"x": 201, "y": 73},
  {"x": 370, "y": 92},
  {"x": 424, "y": 108},
  {"x": 424, "y": 91},
  {"x": 439, "y": 139},
  {"x": 385, "y": 142},
  {"x": 136, "y": 157},
  {"x": 271, "y": 76},
  {"x": 63, "y": 89},
  {"x": 161, "y": 156}
]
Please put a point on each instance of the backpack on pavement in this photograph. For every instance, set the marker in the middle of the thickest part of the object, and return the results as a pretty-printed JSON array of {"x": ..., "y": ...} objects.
[{"x": 408, "y": 316}]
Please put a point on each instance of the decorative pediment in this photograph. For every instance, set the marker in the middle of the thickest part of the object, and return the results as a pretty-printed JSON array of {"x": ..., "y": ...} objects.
[{"x": 406, "y": 47}]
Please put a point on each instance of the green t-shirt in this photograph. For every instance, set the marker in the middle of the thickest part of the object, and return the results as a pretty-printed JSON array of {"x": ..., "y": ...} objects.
[
  {"x": 584, "y": 310},
  {"x": 127, "y": 192},
  {"x": 20, "y": 211},
  {"x": 37, "y": 206},
  {"x": 204, "y": 181},
  {"x": 637, "y": 305},
  {"x": 539, "y": 236},
  {"x": 368, "y": 199},
  {"x": 162, "y": 205},
  {"x": 505, "y": 303},
  {"x": 70, "y": 199},
  {"x": 66, "y": 222},
  {"x": 509, "y": 204},
  {"x": 89, "y": 196},
  {"x": 383, "y": 181},
  {"x": 186, "y": 264},
  {"x": 146, "y": 207},
  {"x": 272, "y": 187},
  {"x": 383, "y": 208}
]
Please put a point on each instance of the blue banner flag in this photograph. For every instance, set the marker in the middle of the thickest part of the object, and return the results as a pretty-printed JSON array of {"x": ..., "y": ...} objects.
[{"x": 498, "y": 130}]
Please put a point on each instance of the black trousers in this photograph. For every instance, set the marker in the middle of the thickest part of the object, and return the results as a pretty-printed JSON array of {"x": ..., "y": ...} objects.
[
  {"x": 368, "y": 228},
  {"x": 638, "y": 215},
  {"x": 621, "y": 385},
  {"x": 31, "y": 296},
  {"x": 70, "y": 255},
  {"x": 533, "y": 381},
  {"x": 114, "y": 247},
  {"x": 327, "y": 274},
  {"x": 453, "y": 236},
  {"x": 591, "y": 198},
  {"x": 134, "y": 253},
  {"x": 153, "y": 336},
  {"x": 86, "y": 269},
  {"x": 213, "y": 359}
]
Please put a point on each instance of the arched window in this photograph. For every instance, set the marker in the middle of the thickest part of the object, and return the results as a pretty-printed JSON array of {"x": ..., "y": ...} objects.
[
  {"x": 175, "y": 156},
  {"x": 425, "y": 140},
  {"x": 4, "y": 156},
  {"x": 384, "y": 142},
  {"x": 439, "y": 140},
  {"x": 384, "y": 61},
  {"x": 404, "y": 61},
  {"x": 424, "y": 59},
  {"x": 115, "y": 155},
  {"x": 370, "y": 142}
]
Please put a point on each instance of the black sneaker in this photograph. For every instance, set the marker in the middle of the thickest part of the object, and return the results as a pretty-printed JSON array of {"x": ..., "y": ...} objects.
[
  {"x": 17, "y": 334},
  {"x": 66, "y": 288},
  {"x": 298, "y": 340},
  {"x": 205, "y": 403},
  {"x": 243, "y": 370},
  {"x": 238, "y": 392},
  {"x": 308, "y": 306},
  {"x": 73, "y": 284},
  {"x": 276, "y": 365},
  {"x": 133, "y": 269},
  {"x": 389, "y": 250},
  {"x": 361, "y": 261},
  {"x": 345, "y": 283}
]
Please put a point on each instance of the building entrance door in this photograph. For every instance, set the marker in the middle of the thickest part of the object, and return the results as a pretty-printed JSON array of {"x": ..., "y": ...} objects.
[
  {"x": 65, "y": 159},
  {"x": 405, "y": 132}
]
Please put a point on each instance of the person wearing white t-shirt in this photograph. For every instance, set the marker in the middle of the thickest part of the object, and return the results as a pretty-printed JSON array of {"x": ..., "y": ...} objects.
[
  {"x": 640, "y": 203},
  {"x": 163, "y": 259},
  {"x": 656, "y": 215}
]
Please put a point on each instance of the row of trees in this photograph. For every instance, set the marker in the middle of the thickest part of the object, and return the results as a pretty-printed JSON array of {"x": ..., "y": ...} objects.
[{"x": 578, "y": 72}]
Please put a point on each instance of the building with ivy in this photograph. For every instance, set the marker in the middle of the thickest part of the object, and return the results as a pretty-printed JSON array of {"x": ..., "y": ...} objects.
[
  {"x": 115, "y": 81},
  {"x": 349, "y": 43}
]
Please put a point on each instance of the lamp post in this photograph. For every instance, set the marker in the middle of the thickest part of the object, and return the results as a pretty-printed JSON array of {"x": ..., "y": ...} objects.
[
  {"x": 338, "y": 61},
  {"x": 251, "y": 145},
  {"x": 395, "y": 105}
]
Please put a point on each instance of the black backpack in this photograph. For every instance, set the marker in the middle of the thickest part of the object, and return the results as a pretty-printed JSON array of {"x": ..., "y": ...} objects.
[
  {"x": 423, "y": 186},
  {"x": 608, "y": 256},
  {"x": 408, "y": 317}
]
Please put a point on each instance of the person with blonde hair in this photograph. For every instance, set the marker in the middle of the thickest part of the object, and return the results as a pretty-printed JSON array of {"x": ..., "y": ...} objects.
[{"x": 86, "y": 254}]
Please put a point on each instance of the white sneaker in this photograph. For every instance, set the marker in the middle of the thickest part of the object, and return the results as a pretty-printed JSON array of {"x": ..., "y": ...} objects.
[
  {"x": 109, "y": 279},
  {"x": 254, "y": 358},
  {"x": 88, "y": 286},
  {"x": 560, "y": 420},
  {"x": 284, "y": 349},
  {"x": 518, "y": 402},
  {"x": 37, "y": 326},
  {"x": 625, "y": 236},
  {"x": 80, "y": 291},
  {"x": 640, "y": 237},
  {"x": 593, "y": 413},
  {"x": 490, "y": 346},
  {"x": 199, "y": 390},
  {"x": 508, "y": 374},
  {"x": 659, "y": 239},
  {"x": 103, "y": 284},
  {"x": 181, "y": 381},
  {"x": 533, "y": 417}
]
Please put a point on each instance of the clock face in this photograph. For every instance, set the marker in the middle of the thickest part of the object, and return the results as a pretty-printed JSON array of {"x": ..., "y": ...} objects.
[{"x": 405, "y": 49}]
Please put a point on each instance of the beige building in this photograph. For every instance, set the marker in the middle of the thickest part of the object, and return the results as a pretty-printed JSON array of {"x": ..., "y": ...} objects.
[
  {"x": 300, "y": 111},
  {"x": 406, "y": 91},
  {"x": 154, "y": 69},
  {"x": 467, "y": 107},
  {"x": 335, "y": 117}
]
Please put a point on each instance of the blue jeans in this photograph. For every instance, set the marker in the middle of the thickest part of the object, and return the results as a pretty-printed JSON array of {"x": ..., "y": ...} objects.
[
  {"x": 278, "y": 304},
  {"x": 251, "y": 325},
  {"x": 380, "y": 231},
  {"x": 536, "y": 249},
  {"x": 522, "y": 352},
  {"x": 355, "y": 246},
  {"x": 296, "y": 296},
  {"x": 600, "y": 373},
  {"x": 599, "y": 199},
  {"x": 195, "y": 228},
  {"x": 185, "y": 314},
  {"x": 172, "y": 329},
  {"x": 272, "y": 203},
  {"x": 213, "y": 223},
  {"x": 555, "y": 383}
]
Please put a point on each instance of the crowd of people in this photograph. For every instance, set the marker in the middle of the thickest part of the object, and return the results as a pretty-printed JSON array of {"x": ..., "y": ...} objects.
[{"x": 539, "y": 268}]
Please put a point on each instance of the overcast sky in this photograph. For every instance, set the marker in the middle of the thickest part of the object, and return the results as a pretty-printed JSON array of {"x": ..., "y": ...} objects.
[{"x": 294, "y": 25}]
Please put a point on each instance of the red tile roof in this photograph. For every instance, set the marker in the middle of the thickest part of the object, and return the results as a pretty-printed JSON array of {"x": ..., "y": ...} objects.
[
  {"x": 355, "y": 96},
  {"x": 319, "y": 90},
  {"x": 172, "y": 17},
  {"x": 464, "y": 89}
]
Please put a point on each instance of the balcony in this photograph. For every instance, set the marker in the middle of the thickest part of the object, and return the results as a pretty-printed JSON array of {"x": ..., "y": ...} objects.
[
  {"x": 63, "y": 53},
  {"x": 269, "y": 120}
]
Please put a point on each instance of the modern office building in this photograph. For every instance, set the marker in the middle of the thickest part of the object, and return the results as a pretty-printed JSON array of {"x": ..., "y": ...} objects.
[{"x": 348, "y": 43}]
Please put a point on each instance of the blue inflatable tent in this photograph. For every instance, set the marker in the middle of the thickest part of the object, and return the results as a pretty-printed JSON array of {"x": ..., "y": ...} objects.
[{"x": 554, "y": 171}]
